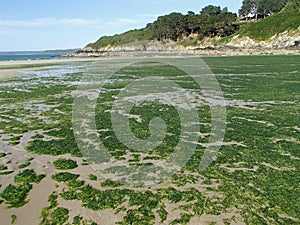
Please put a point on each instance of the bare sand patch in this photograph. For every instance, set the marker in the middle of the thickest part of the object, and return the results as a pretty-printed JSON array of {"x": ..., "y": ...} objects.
[
  {"x": 278, "y": 168},
  {"x": 233, "y": 218},
  {"x": 8, "y": 74},
  {"x": 107, "y": 216},
  {"x": 38, "y": 196},
  {"x": 30, "y": 213},
  {"x": 42, "y": 61}
]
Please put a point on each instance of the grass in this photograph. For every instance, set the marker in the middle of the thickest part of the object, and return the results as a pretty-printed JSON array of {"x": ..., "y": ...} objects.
[
  {"x": 275, "y": 24},
  {"x": 188, "y": 42},
  {"x": 122, "y": 39}
]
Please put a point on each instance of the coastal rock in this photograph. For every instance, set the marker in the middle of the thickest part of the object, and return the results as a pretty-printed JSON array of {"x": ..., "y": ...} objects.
[
  {"x": 284, "y": 43},
  {"x": 143, "y": 46},
  {"x": 280, "y": 41},
  {"x": 287, "y": 40}
]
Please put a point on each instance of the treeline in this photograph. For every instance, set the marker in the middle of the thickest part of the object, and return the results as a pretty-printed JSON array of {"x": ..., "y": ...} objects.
[
  {"x": 263, "y": 7},
  {"x": 210, "y": 22}
]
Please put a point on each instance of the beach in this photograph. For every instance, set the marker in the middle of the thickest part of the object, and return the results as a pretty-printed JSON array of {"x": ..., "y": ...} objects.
[
  {"x": 11, "y": 69},
  {"x": 39, "y": 99}
]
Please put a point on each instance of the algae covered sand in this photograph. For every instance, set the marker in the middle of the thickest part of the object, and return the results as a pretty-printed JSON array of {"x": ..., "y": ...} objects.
[{"x": 254, "y": 179}]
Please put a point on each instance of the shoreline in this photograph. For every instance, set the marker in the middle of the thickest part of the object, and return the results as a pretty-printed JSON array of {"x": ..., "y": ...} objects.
[
  {"x": 41, "y": 61},
  {"x": 201, "y": 52},
  {"x": 11, "y": 69},
  {"x": 92, "y": 55}
]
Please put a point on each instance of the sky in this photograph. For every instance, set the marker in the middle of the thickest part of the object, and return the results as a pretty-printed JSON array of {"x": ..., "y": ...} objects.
[{"x": 65, "y": 24}]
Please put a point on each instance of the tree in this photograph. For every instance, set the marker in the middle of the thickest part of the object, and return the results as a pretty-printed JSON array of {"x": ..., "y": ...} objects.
[
  {"x": 192, "y": 22},
  {"x": 212, "y": 21},
  {"x": 191, "y": 13},
  {"x": 291, "y": 5},
  {"x": 272, "y": 6},
  {"x": 248, "y": 6},
  {"x": 263, "y": 7},
  {"x": 211, "y": 10},
  {"x": 171, "y": 26},
  {"x": 225, "y": 10}
]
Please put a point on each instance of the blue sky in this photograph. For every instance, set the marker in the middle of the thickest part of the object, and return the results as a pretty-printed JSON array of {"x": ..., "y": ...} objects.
[{"x": 62, "y": 24}]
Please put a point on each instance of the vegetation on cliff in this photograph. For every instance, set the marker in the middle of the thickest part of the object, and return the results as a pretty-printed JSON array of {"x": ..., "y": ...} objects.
[
  {"x": 262, "y": 7},
  {"x": 288, "y": 19},
  {"x": 213, "y": 21},
  {"x": 125, "y": 38},
  {"x": 210, "y": 22}
]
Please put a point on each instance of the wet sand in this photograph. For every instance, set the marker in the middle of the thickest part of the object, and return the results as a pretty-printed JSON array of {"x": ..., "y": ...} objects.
[{"x": 9, "y": 69}]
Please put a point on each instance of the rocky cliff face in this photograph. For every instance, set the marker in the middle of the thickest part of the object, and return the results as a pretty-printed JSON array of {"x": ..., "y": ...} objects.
[
  {"x": 142, "y": 46},
  {"x": 284, "y": 43},
  {"x": 280, "y": 41}
]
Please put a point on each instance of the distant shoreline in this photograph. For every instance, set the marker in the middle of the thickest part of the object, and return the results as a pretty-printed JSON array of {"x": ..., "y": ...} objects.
[
  {"x": 34, "y": 55},
  {"x": 208, "y": 51},
  {"x": 11, "y": 69},
  {"x": 41, "y": 61}
]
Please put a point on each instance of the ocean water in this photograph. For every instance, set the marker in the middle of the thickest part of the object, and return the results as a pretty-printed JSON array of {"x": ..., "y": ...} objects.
[{"x": 27, "y": 56}]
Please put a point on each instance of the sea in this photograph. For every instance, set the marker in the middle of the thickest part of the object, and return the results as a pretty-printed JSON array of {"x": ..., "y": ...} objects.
[{"x": 22, "y": 55}]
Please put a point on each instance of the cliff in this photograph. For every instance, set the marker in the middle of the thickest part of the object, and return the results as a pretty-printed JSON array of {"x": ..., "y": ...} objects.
[{"x": 277, "y": 33}]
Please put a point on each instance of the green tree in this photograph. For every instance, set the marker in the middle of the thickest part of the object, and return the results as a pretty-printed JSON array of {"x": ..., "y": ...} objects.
[
  {"x": 171, "y": 26},
  {"x": 271, "y": 6},
  {"x": 192, "y": 22},
  {"x": 263, "y": 7},
  {"x": 211, "y": 10},
  {"x": 291, "y": 5},
  {"x": 248, "y": 6}
]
